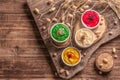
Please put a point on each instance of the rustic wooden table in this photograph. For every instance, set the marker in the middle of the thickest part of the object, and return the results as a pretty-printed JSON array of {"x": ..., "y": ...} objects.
[{"x": 23, "y": 55}]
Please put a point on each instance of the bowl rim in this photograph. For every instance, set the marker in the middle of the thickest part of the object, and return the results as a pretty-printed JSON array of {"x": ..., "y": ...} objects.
[
  {"x": 71, "y": 65},
  {"x": 54, "y": 38},
  {"x": 89, "y": 31},
  {"x": 85, "y": 24}
]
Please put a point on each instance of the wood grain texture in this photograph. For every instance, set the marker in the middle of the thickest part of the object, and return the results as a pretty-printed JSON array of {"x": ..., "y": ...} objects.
[
  {"x": 42, "y": 6},
  {"x": 23, "y": 55}
]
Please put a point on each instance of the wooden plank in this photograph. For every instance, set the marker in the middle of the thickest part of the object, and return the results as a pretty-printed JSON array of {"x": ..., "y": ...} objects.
[
  {"x": 17, "y": 17},
  {"x": 14, "y": 7}
]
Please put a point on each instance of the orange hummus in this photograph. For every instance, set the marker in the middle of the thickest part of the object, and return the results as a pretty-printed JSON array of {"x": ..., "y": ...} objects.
[{"x": 71, "y": 56}]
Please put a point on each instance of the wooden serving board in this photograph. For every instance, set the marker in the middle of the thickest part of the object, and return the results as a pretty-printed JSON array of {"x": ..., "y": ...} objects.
[{"x": 113, "y": 25}]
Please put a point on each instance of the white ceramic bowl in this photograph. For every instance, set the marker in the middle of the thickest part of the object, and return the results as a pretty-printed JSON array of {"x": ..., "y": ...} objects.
[
  {"x": 54, "y": 38},
  {"x": 92, "y": 34},
  {"x": 89, "y": 26},
  {"x": 71, "y": 65}
]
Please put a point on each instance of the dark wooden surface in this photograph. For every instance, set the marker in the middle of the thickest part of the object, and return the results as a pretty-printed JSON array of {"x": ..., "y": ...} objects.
[
  {"x": 23, "y": 55},
  {"x": 109, "y": 15}
]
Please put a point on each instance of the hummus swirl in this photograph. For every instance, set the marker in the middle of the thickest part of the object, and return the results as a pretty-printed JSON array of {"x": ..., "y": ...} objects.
[
  {"x": 84, "y": 37},
  {"x": 71, "y": 56}
]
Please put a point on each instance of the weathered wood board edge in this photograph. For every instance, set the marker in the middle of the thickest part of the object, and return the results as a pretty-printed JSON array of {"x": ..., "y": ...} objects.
[{"x": 97, "y": 45}]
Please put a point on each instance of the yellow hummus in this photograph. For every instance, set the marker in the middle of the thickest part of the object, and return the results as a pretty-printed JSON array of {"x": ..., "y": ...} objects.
[{"x": 71, "y": 56}]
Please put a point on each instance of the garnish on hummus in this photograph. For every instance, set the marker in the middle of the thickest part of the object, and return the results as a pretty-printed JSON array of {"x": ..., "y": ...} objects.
[
  {"x": 60, "y": 32},
  {"x": 84, "y": 37},
  {"x": 90, "y": 19},
  {"x": 71, "y": 56}
]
